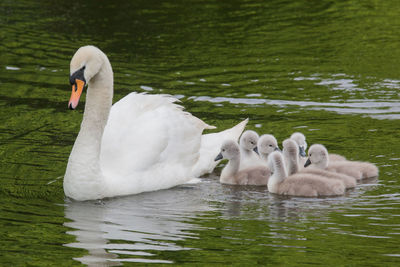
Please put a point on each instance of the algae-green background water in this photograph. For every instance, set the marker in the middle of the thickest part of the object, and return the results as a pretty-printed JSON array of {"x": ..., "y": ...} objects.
[{"x": 329, "y": 69}]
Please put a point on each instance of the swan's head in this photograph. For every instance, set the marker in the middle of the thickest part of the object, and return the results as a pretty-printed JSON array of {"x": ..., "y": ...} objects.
[
  {"x": 248, "y": 140},
  {"x": 300, "y": 139},
  {"x": 85, "y": 64},
  {"x": 267, "y": 144},
  {"x": 229, "y": 150},
  {"x": 318, "y": 156},
  {"x": 290, "y": 149}
]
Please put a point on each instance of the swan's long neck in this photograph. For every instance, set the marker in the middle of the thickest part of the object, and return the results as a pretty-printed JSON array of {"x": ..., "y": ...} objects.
[{"x": 84, "y": 164}]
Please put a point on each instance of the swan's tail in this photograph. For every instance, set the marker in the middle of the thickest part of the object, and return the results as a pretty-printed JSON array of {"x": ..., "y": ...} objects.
[{"x": 211, "y": 145}]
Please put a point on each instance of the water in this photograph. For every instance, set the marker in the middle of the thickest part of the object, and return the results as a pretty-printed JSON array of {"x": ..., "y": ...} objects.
[{"x": 326, "y": 68}]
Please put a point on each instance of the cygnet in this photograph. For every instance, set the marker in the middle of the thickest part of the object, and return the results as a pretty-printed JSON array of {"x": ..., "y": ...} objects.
[
  {"x": 318, "y": 157},
  {"x": 291, "y": 157},
  {"x": 248, "y": 157},
  {"x": 301, "y": 141},
  {"x": 255, "y": 175},
  {"x": 266, "y": 145},
  {"x": 300, "y": 184}
]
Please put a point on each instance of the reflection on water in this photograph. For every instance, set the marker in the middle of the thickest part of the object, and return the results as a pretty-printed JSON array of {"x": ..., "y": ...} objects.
[
  {"x": 130, "y": 228},
  {"x": 143, "y": 228}
]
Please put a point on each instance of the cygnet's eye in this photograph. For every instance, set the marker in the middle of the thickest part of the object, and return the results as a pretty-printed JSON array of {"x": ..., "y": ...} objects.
[
  {"x": 251, "y": 142},
  {"x": 223, "y": 150},
  {"x": 270, "y": 145}
]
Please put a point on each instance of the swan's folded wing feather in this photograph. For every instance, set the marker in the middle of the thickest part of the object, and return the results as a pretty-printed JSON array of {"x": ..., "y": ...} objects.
[{"x": 145, "y": 133}]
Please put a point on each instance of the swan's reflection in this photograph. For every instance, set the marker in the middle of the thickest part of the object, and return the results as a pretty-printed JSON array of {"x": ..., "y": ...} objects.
[{"x": 129, "y": 228}]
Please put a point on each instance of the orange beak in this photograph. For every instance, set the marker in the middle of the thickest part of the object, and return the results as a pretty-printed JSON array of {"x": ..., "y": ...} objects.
[{"x": 77, "y": 89}]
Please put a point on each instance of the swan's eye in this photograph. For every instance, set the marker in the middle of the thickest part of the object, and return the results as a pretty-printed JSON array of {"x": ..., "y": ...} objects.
[
  {"x": 79, "y": 74},
  {"x": 223, "y": 150}
]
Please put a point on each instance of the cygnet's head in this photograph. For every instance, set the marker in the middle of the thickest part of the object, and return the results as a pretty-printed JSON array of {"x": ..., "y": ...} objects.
[
  {"x": 300, "y": 139},
  {"x": 229, "y": 150},
  {"x": 248, "y": 140},
  {"x": 290, "y": 148},
  {"x": 267, "y": 144},
  {"x": 317, "y": 155}
]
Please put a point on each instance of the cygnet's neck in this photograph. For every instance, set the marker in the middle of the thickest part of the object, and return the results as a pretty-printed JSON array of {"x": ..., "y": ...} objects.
[
  {"x": 264, "y": 156},
  {"x": 280, "y": 172},
  {"x": 292, "y": 159},
  {"x": 230, "y": 169}
]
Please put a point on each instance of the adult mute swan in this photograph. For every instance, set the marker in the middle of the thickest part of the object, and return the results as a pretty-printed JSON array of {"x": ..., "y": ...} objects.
[{"x": 141, "y": 143}]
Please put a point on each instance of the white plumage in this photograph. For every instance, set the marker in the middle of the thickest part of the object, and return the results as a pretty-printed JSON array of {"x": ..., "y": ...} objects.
[{"x": 141, "y": 143}]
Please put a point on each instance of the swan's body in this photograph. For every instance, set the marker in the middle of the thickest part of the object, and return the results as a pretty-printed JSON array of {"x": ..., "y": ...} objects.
[
  {"x": 141, "y": 143},
  {"x": 318, "y": 158},
  {"x": 254, "y": 175},
  {"x": 247, "y": 143},
  {"x": 291, "y": 156},
  {"x": 300, "y": 184}
]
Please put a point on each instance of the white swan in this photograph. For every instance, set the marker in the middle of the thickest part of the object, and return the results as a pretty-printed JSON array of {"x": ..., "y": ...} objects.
[
  {"x": 248, "y": 143},
  {"x": 318, "y": 157},
  {"x": 291, "y": 156},
  {"x": 254, "y": 175},
  {"x": 300, "y": 184},
  {"x": 141, "y": 143}
]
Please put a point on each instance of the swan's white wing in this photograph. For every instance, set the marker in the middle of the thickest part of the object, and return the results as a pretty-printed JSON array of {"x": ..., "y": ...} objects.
[
  {"x": 149, "y": 135},
  {"x": 211, "y": 146}
]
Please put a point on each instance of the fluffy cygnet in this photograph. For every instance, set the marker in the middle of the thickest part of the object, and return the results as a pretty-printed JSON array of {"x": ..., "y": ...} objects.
[
  {"x": 318, "y": 158},
  {"x": 266, "y": 145},
  {"x": 291, "y": 156},
  {"x": 300, "y": 139},
  {"x": 248, "y": 157},
  {"x": 300, "y": 184},
  {"x": 255, "y": 175}
]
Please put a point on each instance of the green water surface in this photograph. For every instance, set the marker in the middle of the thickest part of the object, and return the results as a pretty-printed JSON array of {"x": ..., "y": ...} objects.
[{"x": 329, "y": 69}]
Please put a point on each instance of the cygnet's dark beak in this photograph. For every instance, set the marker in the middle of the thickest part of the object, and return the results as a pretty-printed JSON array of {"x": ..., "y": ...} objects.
[
  {"x": 302, "y": 152},
  {"x": 277, "y": 149},
  {"x": 308, "y": 162},
  {"x": 256, "y": 150},
  {"x": 218, "y": 157}
]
